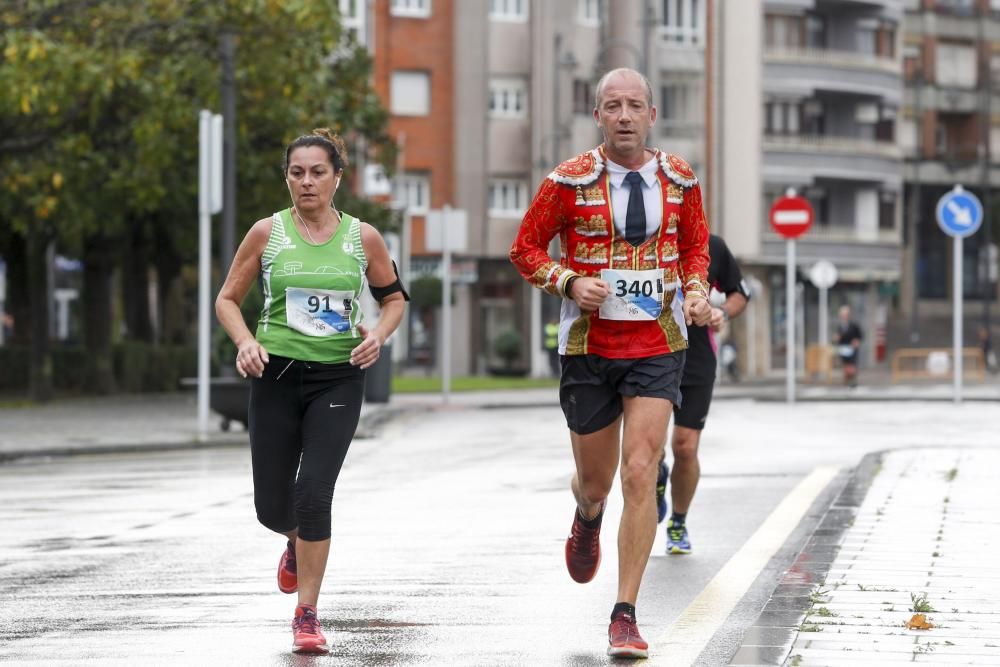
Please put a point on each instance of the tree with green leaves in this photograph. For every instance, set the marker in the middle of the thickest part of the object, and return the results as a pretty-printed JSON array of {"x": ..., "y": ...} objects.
[{"x": 98, "y": 141}]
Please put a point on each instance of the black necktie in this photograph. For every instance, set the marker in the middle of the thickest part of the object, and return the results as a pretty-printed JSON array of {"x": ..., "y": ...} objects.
[{"x": 635, "y": 215}]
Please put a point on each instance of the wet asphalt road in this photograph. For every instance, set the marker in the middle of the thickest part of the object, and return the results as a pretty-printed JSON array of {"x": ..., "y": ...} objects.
[{"x": 448, "y": 538}]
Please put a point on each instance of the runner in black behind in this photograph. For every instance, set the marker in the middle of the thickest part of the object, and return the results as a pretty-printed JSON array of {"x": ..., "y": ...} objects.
[{"x": 696, "y": 392}]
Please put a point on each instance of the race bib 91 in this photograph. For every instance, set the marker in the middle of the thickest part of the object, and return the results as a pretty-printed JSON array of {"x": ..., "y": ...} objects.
[
  {"x": 635, "y": 295},
  {"x": 318, "y": 312}
]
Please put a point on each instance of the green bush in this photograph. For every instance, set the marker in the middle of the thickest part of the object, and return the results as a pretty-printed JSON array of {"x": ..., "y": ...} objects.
[{"x": 507, "y": 346}]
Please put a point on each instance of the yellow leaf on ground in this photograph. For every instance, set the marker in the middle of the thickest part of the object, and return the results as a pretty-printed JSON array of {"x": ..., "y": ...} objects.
[{"x": 919, "y": 622}]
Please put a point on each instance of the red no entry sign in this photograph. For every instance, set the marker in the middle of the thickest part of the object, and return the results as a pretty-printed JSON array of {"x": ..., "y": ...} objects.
[{"x": 791, "y": 216}]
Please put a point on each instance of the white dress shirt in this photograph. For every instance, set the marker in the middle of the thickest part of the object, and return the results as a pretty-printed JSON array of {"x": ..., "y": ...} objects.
[{"x": 650, "y": 195}]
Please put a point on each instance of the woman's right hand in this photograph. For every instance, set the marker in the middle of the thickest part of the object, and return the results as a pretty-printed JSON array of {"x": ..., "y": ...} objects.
[{"x": 251, "y": 358}]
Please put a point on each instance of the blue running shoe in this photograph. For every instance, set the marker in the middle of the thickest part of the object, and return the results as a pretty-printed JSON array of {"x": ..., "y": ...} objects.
[
  {"x": 661, "y": 492},
  {"x": 677, "y": 538}
]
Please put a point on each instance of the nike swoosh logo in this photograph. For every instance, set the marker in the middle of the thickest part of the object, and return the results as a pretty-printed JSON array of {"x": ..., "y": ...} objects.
[{"x": 336, "y": 405}]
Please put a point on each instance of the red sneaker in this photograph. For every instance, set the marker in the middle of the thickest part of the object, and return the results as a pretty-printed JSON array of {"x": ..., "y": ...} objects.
[
  {"x": 624, "y": 640},
  {"x": 288, "y": 577},
  {"x": 583, "y": 549},
  {"x": 306, "y": 634}
]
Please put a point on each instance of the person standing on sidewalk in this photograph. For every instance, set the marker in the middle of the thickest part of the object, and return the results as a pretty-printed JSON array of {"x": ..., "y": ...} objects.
[
  {"x": 697, "y": 384},
  {"x": 848, "y": 340},
  {"x": 632, "y": 276},
  {"x": 308, "y": 358}
]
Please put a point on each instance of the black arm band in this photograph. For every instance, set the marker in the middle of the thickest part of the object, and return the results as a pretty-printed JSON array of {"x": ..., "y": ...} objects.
[{"x": 396, "y": 286}]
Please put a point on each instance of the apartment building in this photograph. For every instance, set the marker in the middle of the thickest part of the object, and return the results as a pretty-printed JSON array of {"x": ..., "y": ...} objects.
[
  {"x": 485, "y": 97},
  {"x": 951, "y": 53},
  {"x": 806, "y": 95}
]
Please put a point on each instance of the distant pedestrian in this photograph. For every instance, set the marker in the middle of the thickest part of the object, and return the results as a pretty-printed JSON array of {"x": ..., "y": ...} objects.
[
  {"x": 308, "y": 358},
  {"x": 632, "y": 273},
  {"x": 552, "y": 345},
  {"x": 848, "y": 341},
  {"x": 986, "y": 343},
  {"x": 697, "y": 386}
]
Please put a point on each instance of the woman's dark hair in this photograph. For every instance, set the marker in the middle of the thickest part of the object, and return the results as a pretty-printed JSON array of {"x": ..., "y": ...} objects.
[{"x": 325, "y": 139}]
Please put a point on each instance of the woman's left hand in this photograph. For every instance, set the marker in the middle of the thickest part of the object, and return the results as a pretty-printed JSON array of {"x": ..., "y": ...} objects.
[{"x": 367, "y": 353}]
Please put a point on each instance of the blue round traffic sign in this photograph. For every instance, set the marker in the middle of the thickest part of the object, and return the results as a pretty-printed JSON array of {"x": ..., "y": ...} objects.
[{"x": 959, "y": 213}]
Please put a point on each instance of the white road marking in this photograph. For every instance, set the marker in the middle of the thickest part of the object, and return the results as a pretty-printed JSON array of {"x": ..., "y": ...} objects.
[{"x": 684, "y": 641}]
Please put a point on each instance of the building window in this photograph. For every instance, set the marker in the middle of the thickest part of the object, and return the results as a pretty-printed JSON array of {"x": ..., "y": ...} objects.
[
  {"x": 410, "y": 93},
  {"x": 681, "y": 105},
  {"x": 955, "y": 66},
  {"x": 782, "y": 117},
  {"x": 413, "y": 192},
  {"x": 866, "y": 36},
  {"x": 509, "y": 10},
  {"x": 352, "y": 20},
  {"x": 683, "y": 21},
  {"x": 815, "y": 31},
  {"x": 961, "y": 7},
  {"x": 508, "y": 197},
  {"x": 782, "y": 31},
  {"x": 588, "y": 12},
  {"x": 414, "y": 8},
  {"x": 583, "y": 97},
  {"x": 508, "y": 98},
  {"x": 887, "y": 210},
  {"x": 913, "y": 59}
]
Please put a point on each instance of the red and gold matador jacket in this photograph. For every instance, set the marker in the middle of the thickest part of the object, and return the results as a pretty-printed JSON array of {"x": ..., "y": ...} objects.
[{"x": 574, "y": 201}]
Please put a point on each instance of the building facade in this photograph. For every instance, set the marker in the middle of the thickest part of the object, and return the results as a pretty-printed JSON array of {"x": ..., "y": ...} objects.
[
  {"x": 816, "y": 112},
  {"x": 951, "y": 56}
]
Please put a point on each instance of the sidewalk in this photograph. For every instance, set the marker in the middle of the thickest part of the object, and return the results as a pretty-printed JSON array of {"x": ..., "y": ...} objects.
[
  {"x": 168, "y": 421},
  {"x": 923, "y": 539}
]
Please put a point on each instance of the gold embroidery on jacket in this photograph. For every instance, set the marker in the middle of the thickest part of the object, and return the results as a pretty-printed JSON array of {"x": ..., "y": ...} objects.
[
  {"x": 675, "y": 194},
  {"x": 595, "y": 226},
  {"x": 672, "y": 221},
  {"x": 590, "y": 254},
  {"x": 592, "y": 196},
  {"x": 671, "y": 331},
  {"x": 576, "y": 342},
  {"x": 668, "y": 251}
]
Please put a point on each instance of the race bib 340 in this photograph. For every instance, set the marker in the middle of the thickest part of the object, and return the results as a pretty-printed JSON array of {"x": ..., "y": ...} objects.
[{"x": 635, "y": 295}]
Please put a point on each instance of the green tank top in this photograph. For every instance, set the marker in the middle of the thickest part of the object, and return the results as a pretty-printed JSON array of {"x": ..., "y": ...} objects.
[{"x": 311, "y": 292}]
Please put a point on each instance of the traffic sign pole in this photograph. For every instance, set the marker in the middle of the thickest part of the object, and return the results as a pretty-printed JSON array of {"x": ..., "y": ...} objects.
[
  {"x": 791, "y": 216},
  {"x": 956, "y": 329},
  {"x": 790, "y": 320},
  {"x": 959, "y": 214}
]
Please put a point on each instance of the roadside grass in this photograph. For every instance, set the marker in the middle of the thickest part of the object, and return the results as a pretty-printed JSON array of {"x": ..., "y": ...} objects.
[{"x": 417, "y": 384}]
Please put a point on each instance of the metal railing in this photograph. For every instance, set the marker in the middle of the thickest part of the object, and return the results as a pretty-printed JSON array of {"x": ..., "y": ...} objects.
[
  {"x": 806, "y": 143},
  {"x": 833, "y": 58}
]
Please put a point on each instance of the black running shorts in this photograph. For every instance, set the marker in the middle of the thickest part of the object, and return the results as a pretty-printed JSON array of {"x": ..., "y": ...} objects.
[
  {"x": 694, "y": 411},
  {"x": 591, "y": 387}
]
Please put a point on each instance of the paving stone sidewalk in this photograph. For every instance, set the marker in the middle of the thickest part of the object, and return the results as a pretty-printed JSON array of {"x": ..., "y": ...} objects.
[{"x": 925, "y": 538}]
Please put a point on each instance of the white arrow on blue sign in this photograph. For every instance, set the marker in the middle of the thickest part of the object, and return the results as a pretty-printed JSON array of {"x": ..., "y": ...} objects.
[{"x": 959, "y": 213}]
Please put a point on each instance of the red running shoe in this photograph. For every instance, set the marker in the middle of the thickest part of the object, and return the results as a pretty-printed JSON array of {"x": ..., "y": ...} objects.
[
  {"x": 583, "y": 549},
  {"x": 624, "y": 640},
  {"x": 288, "y": 573},
  {"x": 306, "y": 634}
]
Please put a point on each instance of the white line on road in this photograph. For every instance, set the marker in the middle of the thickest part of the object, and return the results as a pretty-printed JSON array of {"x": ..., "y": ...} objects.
[{"x": 684, "y": 641}]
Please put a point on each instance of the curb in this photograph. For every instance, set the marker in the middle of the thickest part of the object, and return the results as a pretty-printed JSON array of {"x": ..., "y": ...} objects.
[
  {"x": 368, "y": 427},
  {"x": 769, "y": 640}
]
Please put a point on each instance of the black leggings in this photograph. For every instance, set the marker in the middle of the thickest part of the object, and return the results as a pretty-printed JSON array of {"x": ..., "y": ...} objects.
[{"x": 303, "y": 416}]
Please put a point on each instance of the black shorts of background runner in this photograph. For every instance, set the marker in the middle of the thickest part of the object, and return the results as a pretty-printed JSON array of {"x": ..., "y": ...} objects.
[
  {"x": 693, "y": 412},
  {"x": 591, "y": 387},
  {"x": 303, "y": 416}
]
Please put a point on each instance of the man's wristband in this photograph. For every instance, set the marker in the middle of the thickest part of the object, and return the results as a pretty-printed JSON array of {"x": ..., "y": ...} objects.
[{"x": 568, "y": 285}]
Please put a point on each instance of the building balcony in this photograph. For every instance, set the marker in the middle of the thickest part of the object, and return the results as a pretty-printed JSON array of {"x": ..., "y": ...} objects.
[
  {"x": 803, "y": 158},
  {"x": 803, "y": 71},
  {"x": 956, "y": 164},
  {"x": 849, "y": 249}
]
